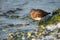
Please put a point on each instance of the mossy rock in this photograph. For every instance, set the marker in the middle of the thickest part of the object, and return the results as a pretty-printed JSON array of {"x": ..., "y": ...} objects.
[
  {"x": 53, "y": 19},
  {"x": 56, "y": 10}
]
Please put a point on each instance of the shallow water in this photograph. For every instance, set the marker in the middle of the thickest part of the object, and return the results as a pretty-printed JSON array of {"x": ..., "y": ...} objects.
[{"x": 26, "y": 5}]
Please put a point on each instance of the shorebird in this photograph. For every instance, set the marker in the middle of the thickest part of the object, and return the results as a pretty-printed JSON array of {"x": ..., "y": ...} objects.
[{"x": 38, "y": 14}]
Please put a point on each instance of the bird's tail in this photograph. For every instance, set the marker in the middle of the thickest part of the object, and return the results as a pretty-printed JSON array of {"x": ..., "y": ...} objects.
[{"x": 52, "y": 13}]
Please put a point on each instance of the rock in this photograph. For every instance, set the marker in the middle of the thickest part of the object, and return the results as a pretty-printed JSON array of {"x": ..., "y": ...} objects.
[
  {"x": 18, "y": 9},
  {"x": 11, "y": 11}
]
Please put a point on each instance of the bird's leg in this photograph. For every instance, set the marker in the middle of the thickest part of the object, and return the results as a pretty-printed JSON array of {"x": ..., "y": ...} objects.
[
  {"x": 39, "y": 22},
  {"x": 38, "y": 29}
]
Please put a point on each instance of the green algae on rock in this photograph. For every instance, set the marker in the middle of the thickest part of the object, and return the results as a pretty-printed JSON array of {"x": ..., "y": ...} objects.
[
  {"x": 54, "y": 18},
  {"x": 56, "y": 11}
]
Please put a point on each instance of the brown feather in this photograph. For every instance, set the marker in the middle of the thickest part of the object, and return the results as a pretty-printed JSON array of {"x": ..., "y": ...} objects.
[{"x": 38, "y": 13}]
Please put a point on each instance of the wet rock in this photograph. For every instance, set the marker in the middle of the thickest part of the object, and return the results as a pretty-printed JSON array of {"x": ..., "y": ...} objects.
[
  {"x": 14, "y": 16},
  {"x": 4, "y": 30},
  {"x": 11, "y": 25},
  {"x": 0, "y": 29},
  {"x": 18, "y": 9},
  {"x": 5, "y": 39},
  {"x": 11, "y": 11},
  {"x": 58, "y": 36},
  {"x": 10, "y": 36}
]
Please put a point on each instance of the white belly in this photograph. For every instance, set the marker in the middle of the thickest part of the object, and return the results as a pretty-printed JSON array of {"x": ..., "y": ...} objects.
[{"x": 37, "y": 18}]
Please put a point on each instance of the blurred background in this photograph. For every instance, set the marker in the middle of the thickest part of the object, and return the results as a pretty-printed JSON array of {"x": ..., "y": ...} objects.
[{"x": 9, "y": 24}]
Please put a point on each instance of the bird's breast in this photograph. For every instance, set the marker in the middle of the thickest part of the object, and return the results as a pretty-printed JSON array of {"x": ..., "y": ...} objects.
[{"x": 37, "y": 18}]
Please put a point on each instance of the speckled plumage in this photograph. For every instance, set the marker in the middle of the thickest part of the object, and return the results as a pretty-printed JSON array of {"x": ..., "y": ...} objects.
[{"x": 38, "y": 14}]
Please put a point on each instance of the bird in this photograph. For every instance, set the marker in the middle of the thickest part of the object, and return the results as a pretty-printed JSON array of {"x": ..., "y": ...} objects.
[{"x": 39, "y": 15}]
